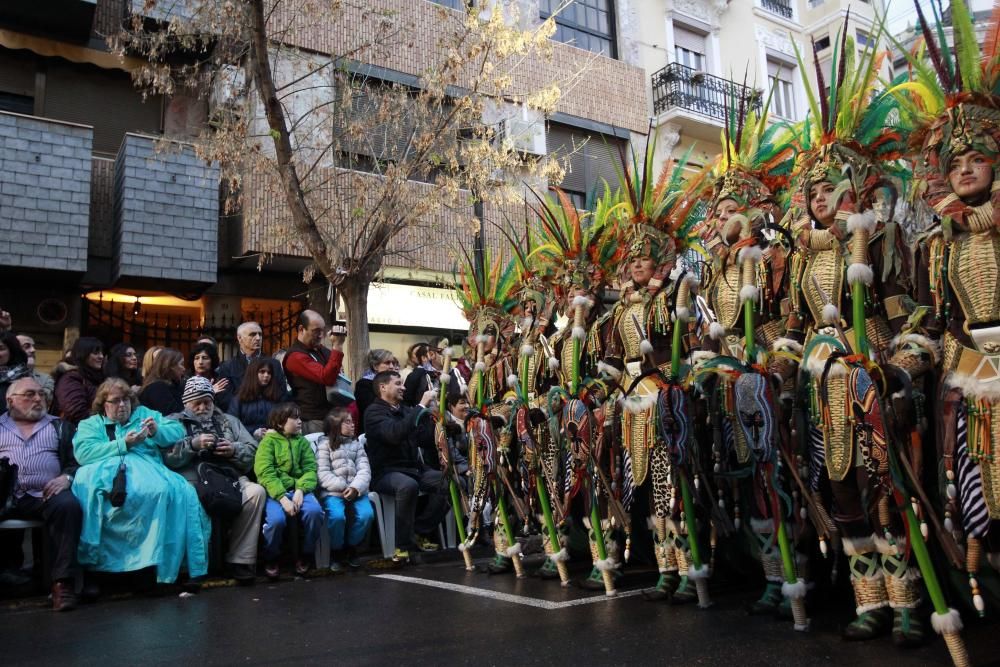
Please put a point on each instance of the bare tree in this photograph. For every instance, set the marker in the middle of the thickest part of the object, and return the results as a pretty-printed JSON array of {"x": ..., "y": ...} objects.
[{"x": 361, "y": 168}]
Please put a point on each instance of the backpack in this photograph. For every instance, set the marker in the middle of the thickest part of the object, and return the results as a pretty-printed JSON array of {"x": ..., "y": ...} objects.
[{"x": 219, "y": 490}]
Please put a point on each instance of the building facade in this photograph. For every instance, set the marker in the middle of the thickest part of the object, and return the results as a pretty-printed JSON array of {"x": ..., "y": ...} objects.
[{"x": 110, "y": 225}]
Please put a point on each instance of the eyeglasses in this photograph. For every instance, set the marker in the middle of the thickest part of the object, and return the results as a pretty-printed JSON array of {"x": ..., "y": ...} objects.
[
  {"x": 30, "y": 395},
  {"x": 116, "y": 401}
]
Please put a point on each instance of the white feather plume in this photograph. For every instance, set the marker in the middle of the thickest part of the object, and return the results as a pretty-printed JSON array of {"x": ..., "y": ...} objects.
[
  {"x": 512, "y": 381},
  {"x": 860, "y": 273},
  {"x": 749, "y": 293},
  {"x": 553, "y": 364},
  {"x": 482, "y": 338},
  {"x": 683, "y": 313},
  {"x": 581, "y": 300},
  {"x": 752, "y": 253},
  {"x": 645, "y": 347},
  {"x": 609, "y": 370},
  {"x": 831, "y": 314},
  {"x": 527, "y": 350},
  {"x": 862, "y": 221},
  {"x": 716, "y": 331},
  {"x": 579, "y": 333},
  {"x": 480, "y": 366},
  {"x": 950, "y": 622}
]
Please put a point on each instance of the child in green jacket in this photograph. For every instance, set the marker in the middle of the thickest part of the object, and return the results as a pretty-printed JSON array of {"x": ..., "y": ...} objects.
[{"x": 286, "y": 467}]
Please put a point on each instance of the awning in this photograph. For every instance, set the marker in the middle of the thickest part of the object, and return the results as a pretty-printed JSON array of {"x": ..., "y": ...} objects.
[{"x": 413, "y": 306}]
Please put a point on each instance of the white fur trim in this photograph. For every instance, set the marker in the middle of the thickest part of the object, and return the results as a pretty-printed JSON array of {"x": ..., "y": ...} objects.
[
  {"x": 606, "y": 565},
  {"x": 865, "y": 608},
  {"x": 883, "y": 546},
  {"x": 645, "y": 347},
  {"x": 716, "y": 331},
  {"x": 701, "y": 356},
  {"x": 931, "y": 347},
  {"x": 553, "y": 364},
  {"x": 527, "y": 350},
  {"x": 751, "y": 253},
  {"x": 513, "y": 551},
  {"x": 866, "y": 221},
  {"x": 637, "y": 404},
  {"x": 482, "y": 338},
  {"x": 816, "y": 365},
  {"x": 787, "y": 345},
  {"x": 973, "y": 387},
  {"x": 950, "y": 622},
  {"x": 696, "y": 573},
  {"x": 749, "y": 293},
  {"x": 480, "y": 366},
  {"x": 831, "y": 315},
  {"x": 609, "y": 370},
  {"x": 855, "y": 546},
  {"x": 683, "y": 313},
  {"x": 795, "y": 591},
  {"x": 860, "y": 273},
  {"x": 560, "y": 556},
  {"x": 512, "y": 381},
  {"x": 583, "y": 301},
  {"x": 579, "y": 333}
]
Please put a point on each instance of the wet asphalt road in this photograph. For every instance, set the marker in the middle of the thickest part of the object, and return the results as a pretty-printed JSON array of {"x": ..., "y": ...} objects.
[{"x": 365, "y": 619}]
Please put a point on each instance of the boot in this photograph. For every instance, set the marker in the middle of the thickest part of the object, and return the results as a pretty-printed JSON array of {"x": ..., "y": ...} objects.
[
  {"x": 770, "y": 601},
  {"x": 686, "y": 591},
  {"x": 501, "y": 563},
  {"x": 874, "y": 616},
  {"x": 902, "y": 584},
  {"x": 666, "y": 561},
  {"x": 548, "y": 570}
]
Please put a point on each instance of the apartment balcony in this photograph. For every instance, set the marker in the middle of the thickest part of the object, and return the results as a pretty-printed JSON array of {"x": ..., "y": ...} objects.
[
  {"x": 697, "y": 101},
  {"x": 166, "y": 214},
  {"x": 782, "y": 8},
  {"x": 45, "y": 171}
]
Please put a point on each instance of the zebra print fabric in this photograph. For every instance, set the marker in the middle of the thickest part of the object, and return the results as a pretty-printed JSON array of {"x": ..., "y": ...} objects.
[{"x": 975, "y": 514}]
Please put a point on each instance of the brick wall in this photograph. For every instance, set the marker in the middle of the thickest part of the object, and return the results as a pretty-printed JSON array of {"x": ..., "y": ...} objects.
[
  {"x": 609, "y": 91},
  {"x": 44, "y": 193},
  {"x": 166, "y": 212}
]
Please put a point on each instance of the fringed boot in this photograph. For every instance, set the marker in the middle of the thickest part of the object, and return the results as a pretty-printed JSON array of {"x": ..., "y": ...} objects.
[
  {"x": 902, "y": 583},
  {"x": 874, "y": 617},
  {"x": 770, "y": 561}
]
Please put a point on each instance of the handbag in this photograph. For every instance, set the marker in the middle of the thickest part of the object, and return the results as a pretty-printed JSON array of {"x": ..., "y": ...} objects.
[
  {"x": 219, "y": 490},
  {"x": 8, "y": 482},
  {"x": 119, "y": 491}
]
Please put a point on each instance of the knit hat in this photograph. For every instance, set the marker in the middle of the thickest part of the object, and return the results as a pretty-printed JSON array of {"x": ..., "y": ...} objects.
[{"x": 197, "y": 388}]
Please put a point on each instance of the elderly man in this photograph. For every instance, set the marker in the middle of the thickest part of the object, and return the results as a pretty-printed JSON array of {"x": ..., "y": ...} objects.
[
  {"x": 220, "y": 439},
  {"x": 250, "y": 337},
  {"x": 44, "y": 379},
  {"x": 42, "y": 448},
  {"x": 311, "y": 368},
  {"x": 395, "y": 433}
]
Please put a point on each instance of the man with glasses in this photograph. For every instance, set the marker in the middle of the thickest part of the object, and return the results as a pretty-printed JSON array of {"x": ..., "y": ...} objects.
[
  {"x": 42, "y": 448},
  {"x": 310, "y": 368},
  {"x": 250, "y": 337}
]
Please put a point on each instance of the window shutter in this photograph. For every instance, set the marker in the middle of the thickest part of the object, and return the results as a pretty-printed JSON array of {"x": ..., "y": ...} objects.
[{"x": 689, "y": 39}]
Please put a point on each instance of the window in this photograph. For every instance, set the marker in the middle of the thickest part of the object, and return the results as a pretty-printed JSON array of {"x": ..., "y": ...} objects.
[
  {"x": 454, "y": 4},
  {"x": 587, "y": 24},
  {"x": 17, "y": 83},
  {"x": 15, "y": 103},
  {"x": 821, "y": 44},
  {"x": 863, "y": 38},
  {"x": 689, "y": 48},
  {"x": 779, "y": 77},
  {"x": 593, "y": 159}
]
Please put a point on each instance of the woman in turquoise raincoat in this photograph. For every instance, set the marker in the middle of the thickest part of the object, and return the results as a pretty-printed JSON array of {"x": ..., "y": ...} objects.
[{"x": 161, "y": 523}]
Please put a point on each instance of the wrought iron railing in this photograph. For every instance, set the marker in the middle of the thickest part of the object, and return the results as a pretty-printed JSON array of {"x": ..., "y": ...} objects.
[
  {"x": 680, "y": 86},
  {"x": 779, "y": 7}
]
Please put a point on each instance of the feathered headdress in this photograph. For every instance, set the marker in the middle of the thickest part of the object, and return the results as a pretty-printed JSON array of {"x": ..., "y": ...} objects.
[
  {"x": 659, "y": 215},
  {"x": 953, "y": 95},
  {"x": 852, "y": 137},
  {"x": 487, "y": 294},
  {"x": 576, "y": 250}
]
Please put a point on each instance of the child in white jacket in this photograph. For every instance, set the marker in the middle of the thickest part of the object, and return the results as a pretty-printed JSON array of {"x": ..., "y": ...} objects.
[{"x": 344, "y": 476}]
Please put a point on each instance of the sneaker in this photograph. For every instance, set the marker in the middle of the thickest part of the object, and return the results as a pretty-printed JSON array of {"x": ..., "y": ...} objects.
[
  {"x": 301, "y": 568},
  {"x": 272, "y": 571},
  {"x": 242, "y": 573},
  {"x": 425, "y": 544},
  {"x": 336, "y": 567},
  {"x": 352, "y": 558},
  {"x": 401, "y": 556}
]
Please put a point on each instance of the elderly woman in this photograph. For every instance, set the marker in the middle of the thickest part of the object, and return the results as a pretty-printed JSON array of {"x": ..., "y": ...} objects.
[
  {"x": 211, "y": 436},
  {"x": 160, "y": 523}
]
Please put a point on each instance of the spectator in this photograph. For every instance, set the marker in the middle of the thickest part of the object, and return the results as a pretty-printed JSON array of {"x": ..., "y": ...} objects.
[
  {"x": 42, "y": 448},
  {"x": 163, "y": 385},
  {"x": 13, "y": 362},
  {"x": 392, "y": 432},
  {"x": 250, "y": 337},
  {"x": 311, "y": 368},
  {"x": 458, "y": 438},
  {"x": 123, "y": 362},
  {"x": 364, "y": 392},
  {"x": 286, "y": 467},
  {"x": 425, "y": 376},
  {"x": 44, "y": 379},
  {"x": 148, "y": 358},
  {"x": 412, "y": 360},
  {"x": 344, "y": 476},
  {"x": 259, "y": 392},
  {"x": 207, "y": 340},
  {"x": 77, "y": 383},
  {"x": 161, "y": 523},
  {"x": 215, "y": 437},
  {"x": 204, "y": 362}
]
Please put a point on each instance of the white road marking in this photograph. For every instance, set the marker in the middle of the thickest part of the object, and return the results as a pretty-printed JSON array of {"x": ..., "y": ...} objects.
[{"x": 506, "y": 597}]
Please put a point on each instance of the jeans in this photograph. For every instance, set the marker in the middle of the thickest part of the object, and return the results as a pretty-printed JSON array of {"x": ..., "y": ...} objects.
[
  {"x": 275, "y": 519},
  {"x": 336, "y": 520},
  {"x": 63, "y": 519},
  {"x": 406, "y": 487}
]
